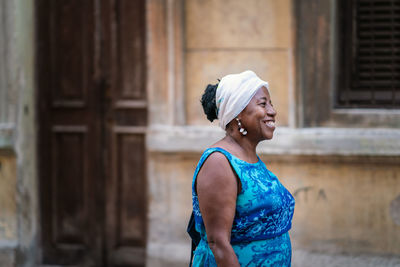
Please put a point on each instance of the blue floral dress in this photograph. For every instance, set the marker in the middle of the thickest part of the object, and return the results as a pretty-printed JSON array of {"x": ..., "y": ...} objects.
[{"x": 264, "y": 212}]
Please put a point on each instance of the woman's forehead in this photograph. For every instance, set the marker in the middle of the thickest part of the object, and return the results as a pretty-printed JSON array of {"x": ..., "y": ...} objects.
[{"x": 262, "y": 93}]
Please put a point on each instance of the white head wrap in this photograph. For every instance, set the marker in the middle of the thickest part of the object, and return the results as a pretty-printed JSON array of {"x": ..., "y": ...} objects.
[{"x": 234, "y": 93}]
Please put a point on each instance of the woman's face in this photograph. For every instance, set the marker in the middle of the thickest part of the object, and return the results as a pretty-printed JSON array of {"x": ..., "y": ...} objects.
[{"x": 258, "y": 118}]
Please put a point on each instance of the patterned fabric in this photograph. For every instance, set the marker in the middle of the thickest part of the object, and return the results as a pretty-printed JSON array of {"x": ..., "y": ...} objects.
[{"x": 264, "y": 212}]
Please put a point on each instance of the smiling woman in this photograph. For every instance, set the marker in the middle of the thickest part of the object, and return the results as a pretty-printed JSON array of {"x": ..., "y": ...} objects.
[{"x": 241, "y": 210}]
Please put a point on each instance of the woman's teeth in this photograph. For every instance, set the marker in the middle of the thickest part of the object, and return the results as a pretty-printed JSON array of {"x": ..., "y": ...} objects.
[{"x": 270, "y": 123}]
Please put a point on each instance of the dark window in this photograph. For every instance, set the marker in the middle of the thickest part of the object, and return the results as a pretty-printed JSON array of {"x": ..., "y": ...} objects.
[{"x": 369, "y": 46}]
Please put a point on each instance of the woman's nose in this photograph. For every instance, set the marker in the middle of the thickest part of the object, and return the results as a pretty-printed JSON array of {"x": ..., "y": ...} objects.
[{"x": 271, "y": 111}]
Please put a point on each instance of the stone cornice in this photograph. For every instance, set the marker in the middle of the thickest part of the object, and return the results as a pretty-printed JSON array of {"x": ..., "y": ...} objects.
[{"x": 286, "y": 141}]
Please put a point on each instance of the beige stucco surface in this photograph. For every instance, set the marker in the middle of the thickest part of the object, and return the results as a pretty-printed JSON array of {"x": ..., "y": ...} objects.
[
  {"x": 170, "y": 195},
  {"x": 203, "y": 67},
  {"x": 239, "y": 24},
  {"x": 8, "y": 213},
  {"x": 342, "y": 204},
  {"x": 343, "y": 207},
  {"x": 347, "y": 189},
  {"x": 224, "y": 37},
  {"x": 169, "y": 209}
]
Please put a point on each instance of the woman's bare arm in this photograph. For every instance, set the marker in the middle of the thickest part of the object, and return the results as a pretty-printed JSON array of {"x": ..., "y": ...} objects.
[{"x": 217, "y": 192}]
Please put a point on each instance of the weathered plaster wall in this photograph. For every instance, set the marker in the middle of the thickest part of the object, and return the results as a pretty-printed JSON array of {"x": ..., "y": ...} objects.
[
  {"x": 223, "y": 37},
  {"x": 8, "y": 169},
  {"x": 18, "y": 134},
  {"x": 343, "y": 204},
  {"x": 346, "y": 181},
  {"x": 170, "y": 197},
  {"x": 25, "y": 143},
  {"x": 192, "y": 43},
  {"x": 8, "y": 207}
]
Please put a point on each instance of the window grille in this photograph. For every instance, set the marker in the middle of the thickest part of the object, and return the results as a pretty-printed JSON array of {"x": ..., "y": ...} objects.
[{"x": 369, "y": 69}]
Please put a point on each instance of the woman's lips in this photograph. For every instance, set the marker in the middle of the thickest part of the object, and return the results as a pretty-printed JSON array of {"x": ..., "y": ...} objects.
[{"x": 270, "y": 124}]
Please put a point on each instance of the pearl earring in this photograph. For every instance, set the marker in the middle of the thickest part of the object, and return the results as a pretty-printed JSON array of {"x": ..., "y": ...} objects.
[{"x": 241, "y": 129}]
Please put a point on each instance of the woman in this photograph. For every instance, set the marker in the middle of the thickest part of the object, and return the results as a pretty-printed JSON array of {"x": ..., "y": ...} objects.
[{"x": 241, "y": 210}]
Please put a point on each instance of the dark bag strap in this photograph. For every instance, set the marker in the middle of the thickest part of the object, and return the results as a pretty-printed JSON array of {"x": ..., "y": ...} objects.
[{"x": 194, "y": 235}]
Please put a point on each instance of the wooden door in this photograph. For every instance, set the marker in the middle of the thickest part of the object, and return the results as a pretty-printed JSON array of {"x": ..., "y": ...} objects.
[
  {"x": 92, "y": 121},
  {"x": 124, "y": 36}
]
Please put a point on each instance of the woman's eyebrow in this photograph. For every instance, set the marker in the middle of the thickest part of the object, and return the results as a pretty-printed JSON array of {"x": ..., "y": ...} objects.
[{"x": 263, "y": 98}]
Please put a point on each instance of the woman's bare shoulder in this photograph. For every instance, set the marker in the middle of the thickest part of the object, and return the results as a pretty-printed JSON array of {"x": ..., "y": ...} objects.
[
  {"x": 216, "y": 170},
  {"x": 216, "y": 161},
  {"x": 216, "y": 175}
]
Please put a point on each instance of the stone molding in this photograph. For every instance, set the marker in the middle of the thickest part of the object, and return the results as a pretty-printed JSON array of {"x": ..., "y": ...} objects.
[
  {"x": 165, "y": 61},
  {"x": 7, "y": 131},
  {"x": 287, "y": 141}
]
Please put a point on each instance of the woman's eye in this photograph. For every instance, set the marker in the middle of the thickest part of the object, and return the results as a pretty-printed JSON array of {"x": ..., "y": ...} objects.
[{"x": 263, "y": 104}]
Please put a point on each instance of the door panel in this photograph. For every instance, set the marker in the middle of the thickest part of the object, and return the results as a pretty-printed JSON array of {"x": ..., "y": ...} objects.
[
  {"x": 70, "y": 38},
  {"x": 92, "y": 117},
  {"x": 128, "y": 50},
  {"x": 126, "y": 121},
  {"x": 126, "y": 221},
  {"x": 68, "y": 132},
  {"x": 69, "y": 183},
  {"x": 129, "y": 163}
]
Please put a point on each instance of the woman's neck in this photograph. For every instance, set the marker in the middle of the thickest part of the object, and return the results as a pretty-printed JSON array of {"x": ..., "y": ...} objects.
[{"x": 246, "y": 146}]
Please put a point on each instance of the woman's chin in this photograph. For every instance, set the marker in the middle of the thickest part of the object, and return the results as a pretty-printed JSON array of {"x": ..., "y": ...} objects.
[
  {"x": 268, "y": 132},
  {"x": 268, "y": 136}
]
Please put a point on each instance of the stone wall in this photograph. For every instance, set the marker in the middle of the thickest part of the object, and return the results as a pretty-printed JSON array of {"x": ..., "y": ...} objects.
[
  {"x": 190, "y": 44},
  {"x": 343, "y": 204},
  {"x": 8, "y": 209},
  {"x": 345, "y": 180},
  {"x": 346, "y": 207},
  {"x": 224, "y": 37},
  {"x": 18, "y": 180}
]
